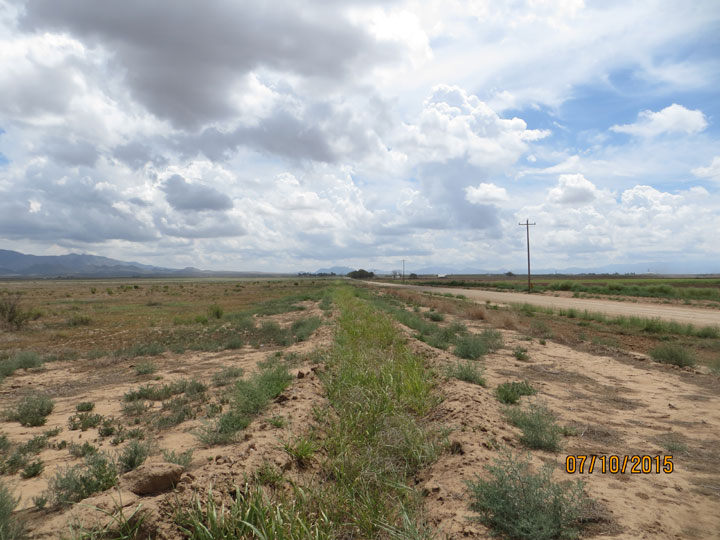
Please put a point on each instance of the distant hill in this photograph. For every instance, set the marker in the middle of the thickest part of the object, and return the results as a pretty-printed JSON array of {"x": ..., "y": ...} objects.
[
  {"x": 338, "y": 270},
  {"x": 14, "y": 264}
]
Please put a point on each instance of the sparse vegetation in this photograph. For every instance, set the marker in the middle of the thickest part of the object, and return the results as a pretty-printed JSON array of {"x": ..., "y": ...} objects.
[
  {"x": 11, "y": 528},
  {"x": 537, "y": 422},
  {"x": 179, "y": 458},
  {"x": 12, "y": 314},
  {"x": 473, "y": 346},
  {"x": 85, "y": 406},
  {"x": 84, "y": 421},
  {"x": 32, "y": 410},
  {"x": 521, "y": 353},
  {"x": 227, "y": 376},
  {"x": 133, "y": 455},
  {"x": 517, "y": 503},
  {"x": 73, "y": 484},
  {"x": 301, "y": 449},
  {"x": 32, "y": 469},
  {"x": 511, "y": 392},
  {"x": 467, "y": 371},
  {"x": 671, "y": 353},
  {"x": 145, "y": 368}
]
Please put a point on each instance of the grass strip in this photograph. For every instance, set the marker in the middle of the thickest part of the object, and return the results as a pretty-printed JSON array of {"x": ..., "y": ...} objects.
[{"x": 374, "y": 440}]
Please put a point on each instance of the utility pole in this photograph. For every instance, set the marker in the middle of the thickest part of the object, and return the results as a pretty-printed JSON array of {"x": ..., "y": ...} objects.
[
  {"x": 527, "y": 227},
  {"x": 403, "y": 274}
]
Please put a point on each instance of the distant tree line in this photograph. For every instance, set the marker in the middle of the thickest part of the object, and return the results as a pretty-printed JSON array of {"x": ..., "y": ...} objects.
[{"x": 361, "y": 274}]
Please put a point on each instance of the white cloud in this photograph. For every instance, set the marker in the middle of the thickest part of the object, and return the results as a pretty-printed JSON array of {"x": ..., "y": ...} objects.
[
  {"x": 672, "y": 119},
  {"x": 573, "y": 189},
  {"x": 454, "y": 125},
  {"x": 485, "y": 193},
  {"x": 711, "y": 171}
]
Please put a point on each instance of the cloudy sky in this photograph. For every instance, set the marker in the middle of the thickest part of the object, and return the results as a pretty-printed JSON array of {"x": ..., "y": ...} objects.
[{"x": 293, "y": 135}]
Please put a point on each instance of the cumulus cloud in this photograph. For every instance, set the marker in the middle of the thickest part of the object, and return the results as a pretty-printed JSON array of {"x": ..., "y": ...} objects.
[
  {"x": 711, "y": 171},
  {"x": 456, "y": 125},
  {"x": 672, "y": 119},
  {"x": 183, "y": 195},
  {"x": 573, "y": 189},
  {"x": 485, "y": 193}
]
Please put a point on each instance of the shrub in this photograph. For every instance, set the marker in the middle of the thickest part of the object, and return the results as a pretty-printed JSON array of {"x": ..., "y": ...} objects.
[
  {"x": 11, "y": 312},
  {"x": 10, "y": 527},
  {"x": 82, "y": 450},
  {"x": 671, "y": 353},
  {"x": 435, "y": 316},
  {"x": 32, "y": 411},
  {"x": 85, "y": 406},
  {"x": 473, "y": 346},
  {"x": 79, "y": 320},
  {"x": 84, "y": 421},
  {"x": 539, "y": 430},
  {"x": 179, "y": 458},
  {"x": 145, "y": 368},
  {"x": 134, "y": 455},
  {"x": 511, "y": 392},
  {"x": 215, "y": 311},
  {"x": 521, "y": 354},
  {"x": 516, "y": 503},
  {"x": 32, "y": 469},
  {"x": 73, "y": 484},
  {"x": 467, "y": 371},
  {"x": 27, "y": 360}
]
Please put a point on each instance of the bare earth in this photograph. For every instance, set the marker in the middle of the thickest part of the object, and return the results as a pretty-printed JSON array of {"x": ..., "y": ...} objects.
[
  {"x": 683, "y": 314},
  {"x": 616, "y": 408}
]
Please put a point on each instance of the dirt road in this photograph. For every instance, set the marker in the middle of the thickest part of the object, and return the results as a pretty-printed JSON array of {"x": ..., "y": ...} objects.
[{"x": 683, "y": 314}]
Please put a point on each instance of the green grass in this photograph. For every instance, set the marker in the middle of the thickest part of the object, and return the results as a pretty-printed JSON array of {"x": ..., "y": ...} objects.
[
  {"x": 32, "y": 410},
  {"x": 301, "y": 449},
  {"x": 473, "y": 346},
  {"x": 179, "y": 458},
  {"x": 510, "y": 392},
  {"x": 302, "y": 329},
  {"x": 539, "y": 430},
  {"x": 249, "y": 398},
  {"x": 671, "y": 353},
  {"x": 517, "y": 503},
  {"x": 467, "y": 371}
]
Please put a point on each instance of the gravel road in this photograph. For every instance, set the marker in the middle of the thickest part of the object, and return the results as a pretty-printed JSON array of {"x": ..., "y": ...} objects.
[{"x": 694, "y": 315}]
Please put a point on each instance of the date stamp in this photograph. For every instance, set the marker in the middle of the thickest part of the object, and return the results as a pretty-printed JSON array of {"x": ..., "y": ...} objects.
[{"x": 615, "y": 464}]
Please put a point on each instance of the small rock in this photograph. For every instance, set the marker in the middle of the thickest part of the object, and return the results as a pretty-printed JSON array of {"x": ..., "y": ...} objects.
[{"x": 151, "y": 478}]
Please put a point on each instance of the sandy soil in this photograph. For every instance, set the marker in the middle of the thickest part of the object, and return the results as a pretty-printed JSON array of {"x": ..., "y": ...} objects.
[
  {"x": 616, "y": 408},
  {"x": 692, "y": 315}
]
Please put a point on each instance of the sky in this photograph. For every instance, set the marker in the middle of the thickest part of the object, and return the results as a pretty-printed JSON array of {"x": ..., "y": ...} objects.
[{"x": 295, "y": 135}]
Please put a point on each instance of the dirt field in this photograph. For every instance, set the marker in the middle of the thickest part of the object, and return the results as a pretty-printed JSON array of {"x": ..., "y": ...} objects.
[
  {"x": 612, "y": 402},
  {"x": 696, "y": 316}
]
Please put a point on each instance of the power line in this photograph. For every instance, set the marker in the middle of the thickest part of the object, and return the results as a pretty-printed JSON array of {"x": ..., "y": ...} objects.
[{"x": 527, "y": 225}]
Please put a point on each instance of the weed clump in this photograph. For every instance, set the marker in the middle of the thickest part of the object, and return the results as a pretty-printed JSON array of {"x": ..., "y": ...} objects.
[
  {"x": 473, "y": 346},
  {"x": 134, "y": 455},
  {"x": 73, "y": 484},
  {"x": 671, "y": 353},
  {"x": 10, "y": 527},
  {"x": 511, "y": 392},
  {"x": 520, "y": 504},
  {"x": 539, "y": 430},
  {"x": 179, "y": 458},
  {"x": 32, "y": 411},
  {"x": 467, "y": 371}
]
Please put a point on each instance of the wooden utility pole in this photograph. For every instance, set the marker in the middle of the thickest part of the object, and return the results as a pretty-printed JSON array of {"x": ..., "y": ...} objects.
[
  {"x": 527, "y": 227},
  {"x": 403, "y": 274}
]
